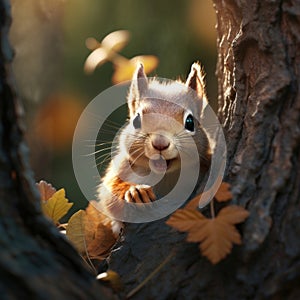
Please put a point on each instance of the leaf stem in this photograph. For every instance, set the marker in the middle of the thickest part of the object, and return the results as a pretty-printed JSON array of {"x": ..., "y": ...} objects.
[{"x": 152, "y": 274}]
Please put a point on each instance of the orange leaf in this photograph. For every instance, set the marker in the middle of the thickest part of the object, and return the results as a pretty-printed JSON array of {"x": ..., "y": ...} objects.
[
  {"x": 218, "y": 241},
  {"x": 46, "y": 190},
  {"x": 91, "y": 233},
  {"x": 94, "y": 215},
  {"x": 216, "y": 235},
  {"x": 233, "y": 214},
  {"x": 99, "y": 240},
  {"x": 223, "y": 194},
  {"x": 216, "y": 238},
  {"x": 186, "y": 219}
]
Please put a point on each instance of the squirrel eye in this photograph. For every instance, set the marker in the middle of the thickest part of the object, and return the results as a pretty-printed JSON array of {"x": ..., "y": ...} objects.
[
  {"x": 189, "y": 123},
  {"x": 137, "y": 121}
]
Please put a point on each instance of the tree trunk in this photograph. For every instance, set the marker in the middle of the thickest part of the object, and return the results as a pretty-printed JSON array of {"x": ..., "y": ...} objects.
[
  {"x": 259, "y": 105},
  {"x": 35, "y": 259}
]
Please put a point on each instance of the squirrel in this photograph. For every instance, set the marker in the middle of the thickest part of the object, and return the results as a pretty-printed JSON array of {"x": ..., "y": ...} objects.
[{"x": 164, "y": 117}]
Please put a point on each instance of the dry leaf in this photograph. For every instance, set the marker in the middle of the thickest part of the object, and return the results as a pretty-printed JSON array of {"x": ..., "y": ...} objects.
[
  {"x": 194, "y": 203},
  {"x": 91, "y": 234},
  {"x": 56, "y": 206},
  {"x": 233, "y": 214},
  {"x": 99, "y": 241},
  {"x": 186, "y": 219},
  {"x": 75, "y": 231},
  {"x": 223, "y": 194},
  {"x": 46, "y": 190},
  {"x": 96, "y": 216},
  {"x": 216, "y": 235}
]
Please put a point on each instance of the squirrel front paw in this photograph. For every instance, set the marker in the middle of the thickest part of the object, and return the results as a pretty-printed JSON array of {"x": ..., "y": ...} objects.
[{"x": 140, "y": 194}]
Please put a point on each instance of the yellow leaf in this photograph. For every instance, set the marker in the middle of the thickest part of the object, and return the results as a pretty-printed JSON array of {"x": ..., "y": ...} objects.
[
  {"x": 75, "y": 231},
  {"x": 57, "y": 206},
  {"x": 124, "y": 69},
  {"x": 223, "y": 194},
  {"x": 46, "y": 190}
]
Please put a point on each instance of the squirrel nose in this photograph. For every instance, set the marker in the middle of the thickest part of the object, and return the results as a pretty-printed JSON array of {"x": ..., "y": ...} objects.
[{"x": 160, "y": 143}]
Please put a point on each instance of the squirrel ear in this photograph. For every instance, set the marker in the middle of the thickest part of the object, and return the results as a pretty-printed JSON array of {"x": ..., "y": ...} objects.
[
  {"x": 195, "y": 80},
  {"x": 138, "y": 87}
]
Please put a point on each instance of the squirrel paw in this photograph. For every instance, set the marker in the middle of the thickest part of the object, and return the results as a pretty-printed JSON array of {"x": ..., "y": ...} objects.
[{"x": 140, "y": 194}]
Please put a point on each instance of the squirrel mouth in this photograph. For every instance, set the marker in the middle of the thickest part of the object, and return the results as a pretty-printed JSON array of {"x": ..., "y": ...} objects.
[{"x": 159, "y": 165}]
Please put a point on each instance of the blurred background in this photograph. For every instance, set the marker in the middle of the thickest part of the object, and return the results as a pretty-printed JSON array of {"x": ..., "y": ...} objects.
[{"x": 49, "y": 38}]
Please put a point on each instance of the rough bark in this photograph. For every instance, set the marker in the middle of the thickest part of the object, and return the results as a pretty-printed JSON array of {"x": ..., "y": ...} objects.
[
  {"x": 36, "y": 261},
  {"x": 259, "y": 106}
]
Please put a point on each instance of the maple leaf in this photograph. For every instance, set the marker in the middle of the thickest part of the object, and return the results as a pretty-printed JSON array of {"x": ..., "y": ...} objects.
[
  {"x": 223, "y": 194},
  {"x": 216, "y": 235},
  {"x": 185, "y": 219},
  {"x": 91, "y": 233},
  {"x": 56, "y": 206},
  {"x": 233, "y": 214},
  {"x": 46, "y": 190}
]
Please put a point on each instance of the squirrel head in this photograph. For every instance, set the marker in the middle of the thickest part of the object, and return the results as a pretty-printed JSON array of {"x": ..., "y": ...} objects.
[
  {"x": 140, "y": 86},
  {"x": 162, "y": 117}
]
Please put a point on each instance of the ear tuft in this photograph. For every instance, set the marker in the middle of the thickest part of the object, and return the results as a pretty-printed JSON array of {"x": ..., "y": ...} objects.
[
  {"x": 195, "y": 80},
  {"x": 139, "y": 85},
  {"x": 142, "y": 80}
]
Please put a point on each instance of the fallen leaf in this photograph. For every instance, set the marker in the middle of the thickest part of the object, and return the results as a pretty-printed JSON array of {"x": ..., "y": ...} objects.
[
  {"x": 99, "y": 240},
  {"x": 223, "y": 194},
  {"x": 46, "y": 190},
  {"x": 194, "y": 203},
  {"x": 75, "y": 231},
  {"x": 91, "y": 233},
  {"x": 185, "y": 219},
  {"x": 233, "y": 214},
  {"x": 56, "y": 206},
  {"x": 216, "y": 235},
  {"x": 96, "y": 216}
]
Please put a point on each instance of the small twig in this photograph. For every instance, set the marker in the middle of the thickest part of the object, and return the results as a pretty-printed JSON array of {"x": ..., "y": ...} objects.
[
  {"x": 212, "y": 208},
  {"x": 149, "y": 277}
]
